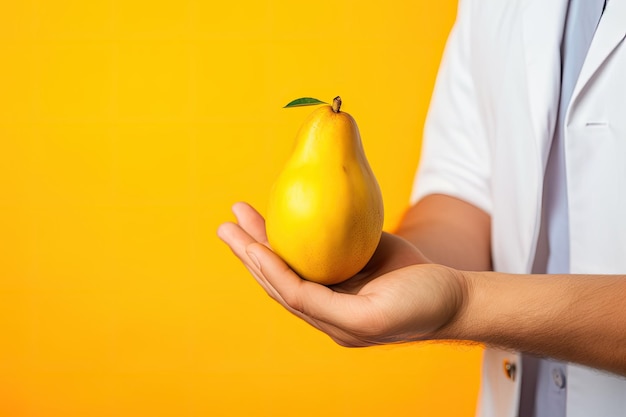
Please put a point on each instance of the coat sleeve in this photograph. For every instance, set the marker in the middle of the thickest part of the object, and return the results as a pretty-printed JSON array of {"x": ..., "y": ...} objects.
[{"x": 455, "y": 151}]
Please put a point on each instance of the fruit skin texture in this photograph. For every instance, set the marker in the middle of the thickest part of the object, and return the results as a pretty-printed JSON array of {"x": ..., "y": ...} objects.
[{"x": 325, "y": 212}]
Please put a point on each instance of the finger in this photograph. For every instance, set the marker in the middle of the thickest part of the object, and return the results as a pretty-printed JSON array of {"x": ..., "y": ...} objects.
[
  {"x": 338, "y": 335},
  {"x": 251, "y": 221},
  {"x": 313, "y": 300},
  {"x": 238, "y": 239}
]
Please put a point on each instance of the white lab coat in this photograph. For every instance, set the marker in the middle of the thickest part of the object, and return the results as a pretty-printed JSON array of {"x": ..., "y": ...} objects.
[{"x": 486, "y": 141}]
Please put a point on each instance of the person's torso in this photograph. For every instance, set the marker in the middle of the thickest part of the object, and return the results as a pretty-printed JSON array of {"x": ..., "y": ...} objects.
[{"x": 516, "y": 68}]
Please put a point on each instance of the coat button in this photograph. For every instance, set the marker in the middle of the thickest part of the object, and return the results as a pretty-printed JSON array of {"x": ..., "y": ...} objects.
[
  {"x": 558, "y": 377},
  {"x": 510, "y": 369}
]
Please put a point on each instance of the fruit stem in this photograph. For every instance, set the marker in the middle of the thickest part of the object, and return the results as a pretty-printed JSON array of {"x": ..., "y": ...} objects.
[{"x": 336, "y": 104}]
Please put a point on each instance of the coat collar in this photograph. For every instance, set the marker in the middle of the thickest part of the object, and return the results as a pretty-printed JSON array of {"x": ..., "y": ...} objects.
[
  {"x": 543, "y": 23},
  {"x": 610, "y": 33}
]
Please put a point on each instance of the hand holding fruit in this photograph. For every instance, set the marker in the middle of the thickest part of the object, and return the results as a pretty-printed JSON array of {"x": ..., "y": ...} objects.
[
  {"x": 325, "y": 219},
  {"x": 396, "y": 297}
]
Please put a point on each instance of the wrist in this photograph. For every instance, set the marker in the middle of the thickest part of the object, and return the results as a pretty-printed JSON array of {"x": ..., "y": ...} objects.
[
  {"x": 508, "y": 311},
  {"x": 459, "y": 324}
]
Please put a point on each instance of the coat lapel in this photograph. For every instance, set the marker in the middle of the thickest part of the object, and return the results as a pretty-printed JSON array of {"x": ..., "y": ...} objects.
[
  {"x": 543, "y": 30},
  {"x": 610, "y": 33}
]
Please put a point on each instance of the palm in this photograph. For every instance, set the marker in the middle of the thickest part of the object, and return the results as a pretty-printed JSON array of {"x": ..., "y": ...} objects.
[{"x": 392, "y": 253}]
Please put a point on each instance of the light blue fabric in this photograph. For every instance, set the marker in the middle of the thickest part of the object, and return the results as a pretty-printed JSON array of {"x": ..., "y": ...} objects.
[{"x": 544, "y": 381}]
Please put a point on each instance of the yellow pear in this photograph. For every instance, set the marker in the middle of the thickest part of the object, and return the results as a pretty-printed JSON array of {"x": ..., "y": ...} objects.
[{"x": 325, "y": 212}]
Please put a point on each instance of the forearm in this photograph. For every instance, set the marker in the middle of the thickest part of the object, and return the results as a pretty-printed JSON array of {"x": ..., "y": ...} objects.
[
  {"x": 449, "y": 232},
  {"x": 576, "y": 318}
]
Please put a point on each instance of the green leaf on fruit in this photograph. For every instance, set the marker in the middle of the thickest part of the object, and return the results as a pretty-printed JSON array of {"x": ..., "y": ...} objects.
[{"x": 304, "y": 101}]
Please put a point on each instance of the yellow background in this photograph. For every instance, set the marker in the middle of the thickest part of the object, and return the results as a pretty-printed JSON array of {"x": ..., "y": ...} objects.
[{"x": 127, "y": 129}]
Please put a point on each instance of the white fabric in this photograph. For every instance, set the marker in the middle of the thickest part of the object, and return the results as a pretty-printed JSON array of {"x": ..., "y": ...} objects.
[{"x": 487, "y": 138}]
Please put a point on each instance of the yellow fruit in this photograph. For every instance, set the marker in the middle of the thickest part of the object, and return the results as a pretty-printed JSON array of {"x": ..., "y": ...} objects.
[{"x": 325, "y": 212}]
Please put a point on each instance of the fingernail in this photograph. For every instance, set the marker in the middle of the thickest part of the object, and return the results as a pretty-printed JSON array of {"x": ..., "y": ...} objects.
[{"x": 254, "y": 260}]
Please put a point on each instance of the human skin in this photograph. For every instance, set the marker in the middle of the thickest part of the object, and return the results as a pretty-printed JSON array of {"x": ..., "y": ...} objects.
[{"x": 431, "y": 280}]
